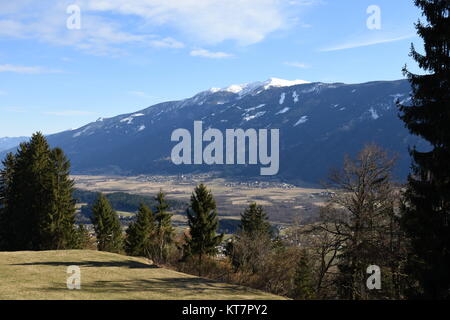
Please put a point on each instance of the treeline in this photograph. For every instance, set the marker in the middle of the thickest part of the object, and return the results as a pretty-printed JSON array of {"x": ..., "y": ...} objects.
[{"x": 122, "y": 201}]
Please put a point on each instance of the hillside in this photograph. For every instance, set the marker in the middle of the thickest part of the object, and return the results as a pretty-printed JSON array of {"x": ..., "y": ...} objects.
[{"x": 42, "y": 275}]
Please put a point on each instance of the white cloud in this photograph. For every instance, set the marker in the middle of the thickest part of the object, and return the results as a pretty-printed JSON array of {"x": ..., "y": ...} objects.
[
  {"x": 109, "y": 27},
  {"x": 11, "y": 28},
  {"x": 209, "y": 54},
  {"x": 65, "y": 113},
  {"x": 26, "y": 69},
  {"x": 212, "y": 21},
  {"x": 167, "y": 43},
  {"x": 307, "y": 2},
  {"x": 297, "y": 64},
  {"x": 367, "y": 42},
  {"x": 45, "y": 21}
]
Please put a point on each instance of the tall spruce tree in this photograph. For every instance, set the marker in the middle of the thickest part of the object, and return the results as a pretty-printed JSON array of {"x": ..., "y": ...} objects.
[
  {"x": 164, "y": 229},
  {"x": 107, "y": 226},
  {"x": 427, "y": 211},
  {"x": 6, "y": 176},
  {"x": 60, "y": 223},
  {"x": 36, "y": 198},
  {"x": 140, "y": 240},
  {"x": 303, "y": 278},
  {"x": 32, "y": 195},
  {"x": 203, "y": 223}
]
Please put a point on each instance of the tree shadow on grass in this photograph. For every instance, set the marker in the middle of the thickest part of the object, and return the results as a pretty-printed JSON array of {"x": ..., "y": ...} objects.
[
  {"x": 176, "y": 287},
  {"x": 123, "y": 264}
]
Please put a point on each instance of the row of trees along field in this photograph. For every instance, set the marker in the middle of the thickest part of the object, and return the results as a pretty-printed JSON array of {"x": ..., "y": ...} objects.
[{"x": 368, "y": 220}]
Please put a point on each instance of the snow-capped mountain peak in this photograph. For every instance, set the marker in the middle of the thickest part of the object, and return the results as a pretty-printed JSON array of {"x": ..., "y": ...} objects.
[
  {"x": 276, "y": 82},
  {"x": 243, "y": 89}
]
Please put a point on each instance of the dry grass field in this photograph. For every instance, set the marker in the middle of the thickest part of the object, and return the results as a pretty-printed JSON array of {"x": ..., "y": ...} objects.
[
  {"x": 283, "y": 204},
  {"x": 40, "y": 275}
]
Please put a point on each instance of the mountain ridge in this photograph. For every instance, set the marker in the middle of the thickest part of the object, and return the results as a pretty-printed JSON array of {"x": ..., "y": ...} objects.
[
  {"x": 318, "y": 122},
  {"x": 7, "y": 143}
]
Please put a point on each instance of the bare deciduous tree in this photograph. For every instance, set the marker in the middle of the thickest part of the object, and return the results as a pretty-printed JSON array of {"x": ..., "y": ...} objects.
[{"x": 359, "y": 225}]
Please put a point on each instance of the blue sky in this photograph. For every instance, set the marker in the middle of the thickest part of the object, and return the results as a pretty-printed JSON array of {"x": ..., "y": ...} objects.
[{"x": 130, "y": 54}]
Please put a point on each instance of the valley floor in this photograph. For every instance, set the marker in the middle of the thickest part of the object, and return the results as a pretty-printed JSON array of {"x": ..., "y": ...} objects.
[{"x": 283, "y": 202}]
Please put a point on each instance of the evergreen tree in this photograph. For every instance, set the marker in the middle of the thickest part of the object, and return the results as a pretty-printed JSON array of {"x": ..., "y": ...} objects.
[
  {"x": 82, "y": 238},
  {"x": 60, "y": 224},
  {"x": 254, "y": 221},
  {"x": 427, "y": 210},
  {"x": 140, "y": 234},
  {"x": 303, "y": 278},
  {"x": 38, "y": 210},
  {"x": 164, "y": 229},
  {"x": 32, "y": 195},
  {"x": 203, "y": 223},
  {"x": 6, "y": 176},
  {"x": 107, "y": 226},
  {"x": 252, "y": 244}
]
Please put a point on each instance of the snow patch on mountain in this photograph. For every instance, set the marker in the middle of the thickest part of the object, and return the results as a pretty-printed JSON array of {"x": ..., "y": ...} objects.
[
  {"x": 373, "y": 114},
  {"x": 302, "y": 120},
  {"x": 254, "y": 108},
  {"x": 397, "y": 96},
  {"x": 235, "y": 88},
  {"x": 406, "y": 100},
  {"x": 282, "y": 97},
  {"x": 130, "y": 119},
  {"x": 276, "y": 82},
  {"x": 295, "y": 96},
  {"x": 214, "y": 90},
  {"x": 282, "y": 111},
  {"x": 316, "y": 88},
  {"x": 83, "y": 132},
  {"x": 254, "y": 116}
]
